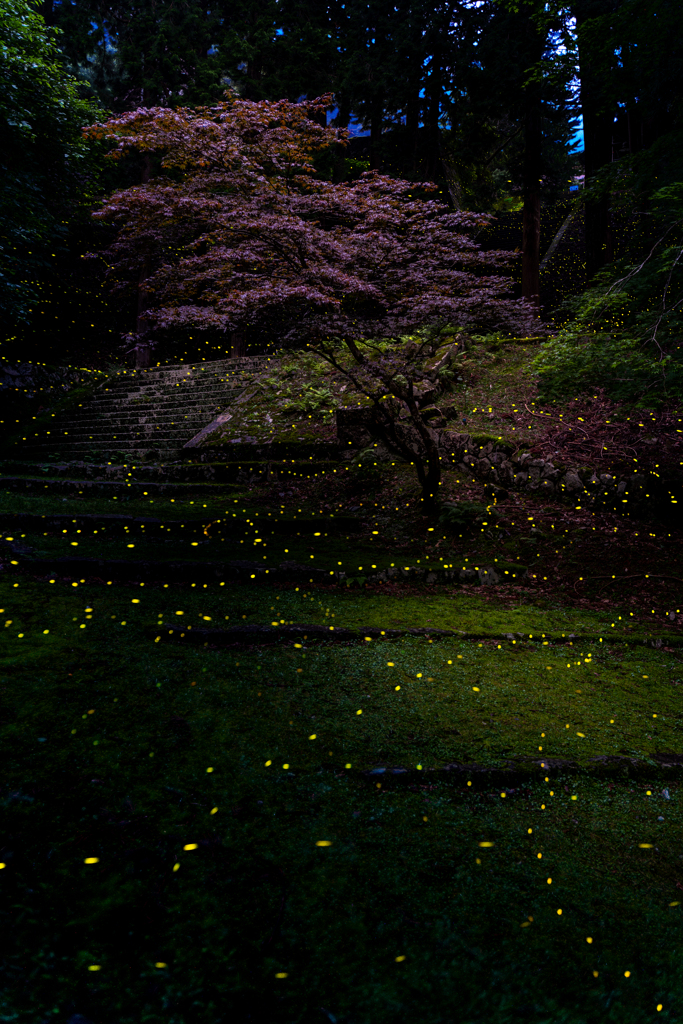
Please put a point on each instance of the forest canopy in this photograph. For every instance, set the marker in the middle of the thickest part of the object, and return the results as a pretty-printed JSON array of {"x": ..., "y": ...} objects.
[
  {"x": 47, "y": 169},
  {"x": 558, "y": 125}
]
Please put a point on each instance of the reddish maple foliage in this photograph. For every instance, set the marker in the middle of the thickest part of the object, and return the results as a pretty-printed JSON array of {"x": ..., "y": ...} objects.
[{"x": 238, "y": 234}]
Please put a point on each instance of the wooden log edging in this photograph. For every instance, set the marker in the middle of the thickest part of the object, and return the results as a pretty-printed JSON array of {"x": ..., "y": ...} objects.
[
  {"x": 257, "y": 635},
  {"x": 518, "y": 772}
]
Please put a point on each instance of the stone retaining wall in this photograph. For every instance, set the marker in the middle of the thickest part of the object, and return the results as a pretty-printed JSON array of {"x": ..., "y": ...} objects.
[{"x": 642, "y": 492}]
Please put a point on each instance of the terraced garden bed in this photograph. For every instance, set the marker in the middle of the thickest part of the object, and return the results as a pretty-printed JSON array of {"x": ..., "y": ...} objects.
[{"x": 279, "y": 746}]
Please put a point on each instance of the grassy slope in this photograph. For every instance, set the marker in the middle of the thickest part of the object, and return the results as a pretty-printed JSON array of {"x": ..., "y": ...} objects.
[
  {"x": 106, "y": 746},
  {"x": 107, "y": 737},
  {"x": 457, "y": 700}
]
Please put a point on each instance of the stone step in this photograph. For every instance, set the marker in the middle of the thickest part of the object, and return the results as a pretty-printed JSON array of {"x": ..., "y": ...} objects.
[
  {"x": 231, "y": 475},
  {"x": 170, "y": 436},
  {"x": 185, "y": 472},
  {"x": 209, "y": 383},
  {"x": 166, "y": 412},
  {"x": 104, "y": 430},
  {"x": 143, "y": 395},
  {"x": 108, "y": 429},
  {"x": 220, "y": 368},
  {"x": 186, "y": 387},
  {"x": 174, "y": 430},
  {"x": 169, "y": 412},
  {"x": 89, "y": 450},
  {"x": 108, "y": 488},
  {"x": 167, "y": 415},
  {"x": 173, "y": 434},
  {"x": 82, "y": 448},
  {"x": 134, "y": 413},
  {"x": 203, "y": 396},
  {"x": 79, "y": 450},
  {"x": 167, "y": 394}
]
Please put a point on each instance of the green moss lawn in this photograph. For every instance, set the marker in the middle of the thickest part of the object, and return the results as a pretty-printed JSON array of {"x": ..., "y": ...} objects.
[
  {"x": 479, "y": 828},
  {"x": 249, "y": 863}
]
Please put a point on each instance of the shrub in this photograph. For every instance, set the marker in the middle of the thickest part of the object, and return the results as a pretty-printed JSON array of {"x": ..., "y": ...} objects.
[
  {"x": 625, "y": 333},
  {"x": 368, "y": 473},
  {"x": 464, "y": 516}
]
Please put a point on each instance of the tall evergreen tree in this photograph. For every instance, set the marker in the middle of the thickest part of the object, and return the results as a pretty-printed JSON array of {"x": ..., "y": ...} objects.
[
  {"x": 631, "y": 68},
  {"x": 168, "y": 53},
  {"x": 511, "y": 105},
  {"x": 46, "y": 170},
  {"x": 143, "y": 52},
  {"x": 597, "y": 64}
]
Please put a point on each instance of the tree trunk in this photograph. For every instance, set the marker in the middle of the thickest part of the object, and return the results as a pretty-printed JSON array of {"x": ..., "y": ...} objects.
[
  {"x": 433, "y": 134},
  {"x": 412, "y": 131},
  {"x": 143, "y": 349},
  {"x": 341, "y": 121},
  {"x": 597, "y": 134},
  {"x": 425, "y": 457},
  {"x": 531, "y": 215},
  {"x": 597, "y": 141},
  {"x": 428, "y": 463},
  {"x": 430, "y": 479},
  {"x": 376, "y": 117},
  {"x": 238, "y": 345},
  {"x": 452, "y": 183}
]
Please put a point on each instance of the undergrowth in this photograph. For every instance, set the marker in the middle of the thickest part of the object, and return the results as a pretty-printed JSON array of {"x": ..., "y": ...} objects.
[{"x": 189, "y": 837}]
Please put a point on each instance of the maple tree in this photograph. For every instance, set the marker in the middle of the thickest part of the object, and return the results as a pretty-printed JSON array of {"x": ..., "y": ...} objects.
[{"x": 236, "y": 233}]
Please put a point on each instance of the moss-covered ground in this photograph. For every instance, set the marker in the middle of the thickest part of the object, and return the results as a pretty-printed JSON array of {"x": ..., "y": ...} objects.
[
  {"x": 446, "y": 830},
  {"x": 249, "y": 864}
]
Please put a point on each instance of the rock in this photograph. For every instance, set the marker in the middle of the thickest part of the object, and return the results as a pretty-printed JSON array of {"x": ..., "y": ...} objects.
[
  {"x": 431, "y": 413},
  {"x": 354, "y": 425},
  {"x": 445, "y": 360},
  {"x": 572, "y": 482},
  {"x": 426, "y": 394},
  {"x": 546, "y": 487},
  {"x": 488, "y": 577},
  {"x": 467, "y": 575},
  {"x": 434, "y": 417}
]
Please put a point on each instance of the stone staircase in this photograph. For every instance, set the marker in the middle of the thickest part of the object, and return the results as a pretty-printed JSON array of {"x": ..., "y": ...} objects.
[{"x": 143, "y": 415}]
